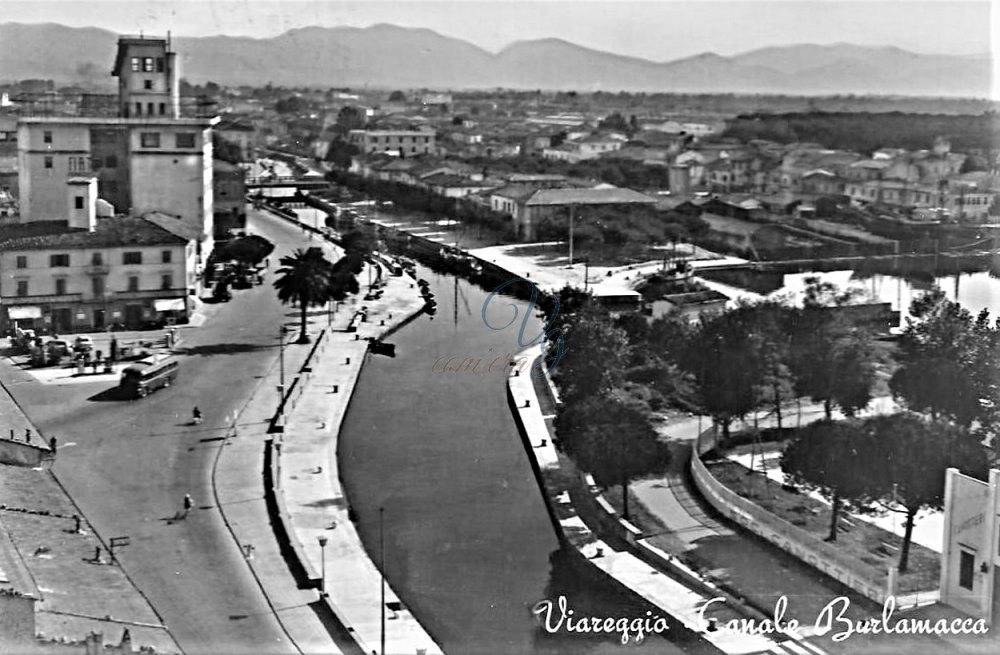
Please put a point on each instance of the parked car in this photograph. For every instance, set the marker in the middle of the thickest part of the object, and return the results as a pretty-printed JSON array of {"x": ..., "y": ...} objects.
[{"x": 83, "y": 344}]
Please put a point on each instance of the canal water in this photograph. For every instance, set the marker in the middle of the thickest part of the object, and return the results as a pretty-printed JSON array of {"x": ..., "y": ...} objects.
[
  {"x": 468, "y": 546},
  {"x": 975, "y": 290}
]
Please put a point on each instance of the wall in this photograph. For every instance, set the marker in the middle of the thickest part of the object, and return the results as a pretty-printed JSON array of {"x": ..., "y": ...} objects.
[
  {"x": 168, "y": 178},
  {"x": 20, "y": 453},
  {"x": 17, "y": 621},
  {"x": 813, "y": 551},
  {"x": 42, "y": 191}
]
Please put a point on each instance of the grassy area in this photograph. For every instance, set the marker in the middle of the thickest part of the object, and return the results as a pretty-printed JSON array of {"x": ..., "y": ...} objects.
[{"x": 860, "y": 539}]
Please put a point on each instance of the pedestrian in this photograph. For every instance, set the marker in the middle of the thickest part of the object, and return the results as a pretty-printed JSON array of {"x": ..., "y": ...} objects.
[
  {"x": 52, "y": 445},
  {"x": 188, "y": 504}
]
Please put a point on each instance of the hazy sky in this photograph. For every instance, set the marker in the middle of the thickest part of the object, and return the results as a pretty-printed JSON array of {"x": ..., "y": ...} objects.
[{"x": 654, "y": 29}]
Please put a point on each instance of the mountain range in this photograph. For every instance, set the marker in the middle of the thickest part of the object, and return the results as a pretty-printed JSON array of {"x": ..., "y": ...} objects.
[{"x": 388, "y": 56}]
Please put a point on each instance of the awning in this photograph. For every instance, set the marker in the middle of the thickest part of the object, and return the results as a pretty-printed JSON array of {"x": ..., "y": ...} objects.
[
  {"x": 169, "y": 305},
  {"x": 24, "y": 312}
]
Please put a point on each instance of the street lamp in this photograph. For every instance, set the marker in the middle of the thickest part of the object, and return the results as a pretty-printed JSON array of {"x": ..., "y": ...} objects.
[{"x": 322, "y": 559}]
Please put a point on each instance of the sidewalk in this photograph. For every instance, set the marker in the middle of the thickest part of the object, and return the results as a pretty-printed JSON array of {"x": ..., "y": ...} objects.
[
  {"x": 311, "y": 486},
  {"x": 666, "y": 593},
  {"x": 78, "y": 593}
]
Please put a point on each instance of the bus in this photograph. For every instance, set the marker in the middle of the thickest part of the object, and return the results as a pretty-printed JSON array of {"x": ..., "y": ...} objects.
[{"x": 147, "y": 375}]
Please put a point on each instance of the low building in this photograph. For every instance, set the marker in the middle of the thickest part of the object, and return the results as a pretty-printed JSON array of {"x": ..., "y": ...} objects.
[
  {"x": 88, "y": 273},
  {"x": 690, "y": 306},
  {"x": 456, "y": 186},
  {"x": 548, "y": 202},
  {"x": 238, "y": 133},
  {"x": 403, "y": 143}
]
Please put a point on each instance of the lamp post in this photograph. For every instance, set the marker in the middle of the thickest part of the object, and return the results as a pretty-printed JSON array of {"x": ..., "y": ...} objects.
[
  {"x": 281, "y": 369},
  {"x": 322, "y": 560}
]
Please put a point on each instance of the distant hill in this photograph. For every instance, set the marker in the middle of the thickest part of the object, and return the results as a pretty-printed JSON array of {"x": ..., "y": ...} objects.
[{"x": 387, "y": 56}]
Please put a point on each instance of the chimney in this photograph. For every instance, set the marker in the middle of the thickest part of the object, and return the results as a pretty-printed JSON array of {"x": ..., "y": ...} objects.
[{"x": 82, "y": 203}]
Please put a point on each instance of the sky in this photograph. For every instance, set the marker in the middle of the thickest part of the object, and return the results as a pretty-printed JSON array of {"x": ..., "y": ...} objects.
[{"x": 659, "y": 30}]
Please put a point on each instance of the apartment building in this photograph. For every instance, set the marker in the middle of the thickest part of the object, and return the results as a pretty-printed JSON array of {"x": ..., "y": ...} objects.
[
  {"x": 144, "y": 160},
  {"x": 404, "y": 143},
  {"x": 88, "y": 273}
]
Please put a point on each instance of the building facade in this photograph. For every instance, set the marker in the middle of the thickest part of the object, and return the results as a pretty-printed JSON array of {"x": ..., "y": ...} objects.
[
  {"x": 129, "y": 271},
  {"x": 406, "y": 143}
]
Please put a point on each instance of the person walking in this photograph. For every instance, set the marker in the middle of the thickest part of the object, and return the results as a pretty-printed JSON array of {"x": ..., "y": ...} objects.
[{"x": 188, "y": 504}]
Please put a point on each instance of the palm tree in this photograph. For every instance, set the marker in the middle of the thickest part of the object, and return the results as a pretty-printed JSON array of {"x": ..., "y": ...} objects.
[{"x": 304, "y": 278}]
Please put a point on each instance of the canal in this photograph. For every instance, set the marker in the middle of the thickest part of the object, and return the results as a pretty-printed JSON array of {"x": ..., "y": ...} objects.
[
  {"x": 975, "y": 290},
  {"x": 469, "y": 546}
]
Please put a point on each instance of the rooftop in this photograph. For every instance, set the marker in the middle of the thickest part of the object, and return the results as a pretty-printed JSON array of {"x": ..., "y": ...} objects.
[
  {"x": 614, "y": 196},
  {"x": 156, "y": 229}
]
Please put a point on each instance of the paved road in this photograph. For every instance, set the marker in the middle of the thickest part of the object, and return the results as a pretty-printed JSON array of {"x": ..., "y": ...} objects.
[{"x": 128, "y": 465}]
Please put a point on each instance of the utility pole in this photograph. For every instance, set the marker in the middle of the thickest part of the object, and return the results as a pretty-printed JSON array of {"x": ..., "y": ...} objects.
[
  {"x": 572, "y": 209},
  {"x": 381, "y": 546}
]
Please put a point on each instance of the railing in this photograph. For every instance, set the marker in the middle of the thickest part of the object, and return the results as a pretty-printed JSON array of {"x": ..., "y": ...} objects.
[{"x": 52, "y": 297}]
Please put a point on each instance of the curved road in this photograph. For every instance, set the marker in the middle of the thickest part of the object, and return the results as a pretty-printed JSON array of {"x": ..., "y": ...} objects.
[{"x": 128, "y": 464}]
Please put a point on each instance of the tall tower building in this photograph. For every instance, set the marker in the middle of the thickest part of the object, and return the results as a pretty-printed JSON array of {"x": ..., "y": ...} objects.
[{"x": 148, "y": 79}]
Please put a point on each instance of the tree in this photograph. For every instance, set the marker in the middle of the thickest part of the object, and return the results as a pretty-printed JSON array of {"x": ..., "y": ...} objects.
[
  {"x": 250, "y": 250},
  {"x": 341, "y": 153},
  {"x": 595, "y": 355},
  {"x": 351, "y": 118},
  {"x": 612, "y": 440},
  {"x": 831, "y": 360},
  {"x": 225, "y": 150},
  {"x": 304, "y": 279},
  {"x": 904, "y": 459},
  {"x": 824, "y": 457},
  {"x": 729, "y": 362},
  {"x": 948, "y": 362},
  {"x": 397, "y": 96},
  {"x": 343, "y": 277}
]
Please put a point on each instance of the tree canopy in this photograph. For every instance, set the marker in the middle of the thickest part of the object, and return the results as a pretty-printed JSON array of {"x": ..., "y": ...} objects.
[{"x": 304, "y": 279}]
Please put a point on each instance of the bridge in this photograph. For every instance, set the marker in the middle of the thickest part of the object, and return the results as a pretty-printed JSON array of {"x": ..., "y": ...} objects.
[{"x": 286, "y": 183}]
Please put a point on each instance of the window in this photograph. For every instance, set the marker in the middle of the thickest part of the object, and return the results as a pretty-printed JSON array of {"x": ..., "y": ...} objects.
[
  {"x": 159, "y": 64},
  {"x": 79, "y": 165},
  {"x": 133, "y": 283},
  {"x": 167, "y": 281},
  {"x": 132, "y": 257},
  {"x": 59, "y": 261},
  {"x": 48, "y": 161},
  {"x": 147, "y": 84},
  {"x": 166, "y": 255},
  {"x": 966, "y": 569},
  {"x": 78, "y": 202},
  {"x": 111, "y": 161},
  {"x": 61, "y": 286},
  {"x": 163, "y": 108},
  {"x": 138, "y": 109},
  {"x": 97, "y": 286},
  {"x": 97, "y": 259},
  {"x": 22, "y": 261},
  {"x": 147, "y": 65},
  {"x": 135, "y": 64},
  {"x": 149, "y": 108},
  {"x": 22, "y": 288},
  {"x": 47, "y": 136},
  {"x": 185, "y": 140},
  {"x": 150, "y": 139}
]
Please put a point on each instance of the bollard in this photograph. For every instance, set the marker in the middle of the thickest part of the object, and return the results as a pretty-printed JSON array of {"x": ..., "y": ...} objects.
[
  {"x": 12, "y": 434},
  {"x": 544, "y": 442},
  {"x": 335, "y": 388},
  {"x": 76, "y": 517},
  {"x": 52, "y": 445},
  {"x": 348, "y": 361},
  {"x": 27, "y": 435},
  {"x": 517, "y": 373},
  {"x": 381, "y": 322},
  {"x": 97, "y": 553},
  {"x": 527, "y": 403},
  {"x": 357, "y": 337}
]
